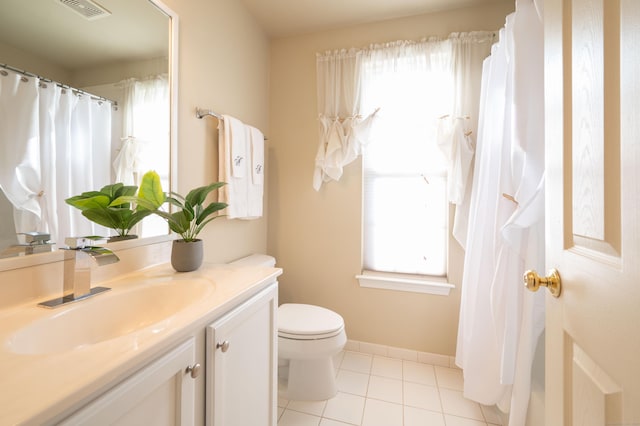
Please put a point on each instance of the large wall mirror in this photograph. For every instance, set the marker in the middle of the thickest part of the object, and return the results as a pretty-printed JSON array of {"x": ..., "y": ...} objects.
[{"x": 116, "y": 56}]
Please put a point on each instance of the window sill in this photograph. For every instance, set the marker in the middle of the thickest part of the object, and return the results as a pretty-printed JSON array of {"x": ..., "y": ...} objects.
[{"x": 409, "y": 283}]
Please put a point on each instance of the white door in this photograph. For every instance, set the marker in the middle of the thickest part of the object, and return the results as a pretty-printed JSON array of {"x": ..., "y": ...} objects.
[{"x": 592, "y": 101}]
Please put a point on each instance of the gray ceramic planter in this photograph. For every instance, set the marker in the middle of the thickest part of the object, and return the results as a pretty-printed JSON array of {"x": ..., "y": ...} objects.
[{"x": 186, "y": 256}]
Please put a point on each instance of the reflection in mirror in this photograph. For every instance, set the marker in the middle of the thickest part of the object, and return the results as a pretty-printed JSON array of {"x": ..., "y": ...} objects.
[{"x": 85, "y": 102}]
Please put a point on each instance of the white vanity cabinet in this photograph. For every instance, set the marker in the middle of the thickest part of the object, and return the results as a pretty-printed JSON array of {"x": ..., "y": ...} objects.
[
  {"x": 162, "y": 393},
  {"x": 219, "y": 368},
  {"x": 241, "y": 364}
]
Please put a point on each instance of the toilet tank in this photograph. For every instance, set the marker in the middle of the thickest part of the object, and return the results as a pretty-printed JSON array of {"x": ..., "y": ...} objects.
[{"x": 255, "y": 260}]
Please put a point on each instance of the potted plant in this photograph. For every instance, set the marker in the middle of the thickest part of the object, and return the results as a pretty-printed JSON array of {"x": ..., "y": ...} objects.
[
  {"x": 187, "y": 221},
  {"x": 117, "y": 206}
]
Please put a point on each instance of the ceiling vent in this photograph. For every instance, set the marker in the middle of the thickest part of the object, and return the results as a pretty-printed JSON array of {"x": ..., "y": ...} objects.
[{"x": 89, "y": 9}]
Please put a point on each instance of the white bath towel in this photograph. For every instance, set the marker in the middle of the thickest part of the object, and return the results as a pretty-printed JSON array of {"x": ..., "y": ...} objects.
[{"x": 241, "y": 194}]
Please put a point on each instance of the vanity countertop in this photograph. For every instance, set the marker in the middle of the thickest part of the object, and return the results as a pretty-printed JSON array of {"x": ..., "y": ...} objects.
[{"x": 37, "y": 387}]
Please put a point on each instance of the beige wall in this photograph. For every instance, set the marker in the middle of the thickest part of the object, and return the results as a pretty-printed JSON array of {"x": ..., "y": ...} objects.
[
  {"x": 316, "y": 235},
  {"x": 21, "y": 60},
  {"x": 224, "y": 66}
]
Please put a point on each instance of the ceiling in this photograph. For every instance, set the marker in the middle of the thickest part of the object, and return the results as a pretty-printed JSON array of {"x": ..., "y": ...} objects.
[{"x": 282, "y": 18}]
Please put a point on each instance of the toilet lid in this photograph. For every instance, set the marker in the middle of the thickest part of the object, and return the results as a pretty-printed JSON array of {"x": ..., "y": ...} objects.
[{"x": 307, "y": 321}]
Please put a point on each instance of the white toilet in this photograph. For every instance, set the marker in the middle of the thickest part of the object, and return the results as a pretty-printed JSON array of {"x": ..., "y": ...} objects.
[{"x": 308, "y": 338}]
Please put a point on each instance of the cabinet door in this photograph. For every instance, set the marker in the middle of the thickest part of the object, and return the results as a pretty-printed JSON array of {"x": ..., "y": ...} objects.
[
  {"x": 242, "y": 364},
  {"x": 163, "y": 393}
]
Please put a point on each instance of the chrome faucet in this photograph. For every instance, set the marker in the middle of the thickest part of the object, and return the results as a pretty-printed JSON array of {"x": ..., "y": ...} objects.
[
  {"x": 77, "y": 274},
  {"x": 29, "y": 243}
]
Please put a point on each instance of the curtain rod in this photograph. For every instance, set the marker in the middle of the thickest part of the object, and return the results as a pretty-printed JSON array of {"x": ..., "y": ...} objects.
[
  {"x": 201, "y": 113},
  {"x": 63, "y": 86}
]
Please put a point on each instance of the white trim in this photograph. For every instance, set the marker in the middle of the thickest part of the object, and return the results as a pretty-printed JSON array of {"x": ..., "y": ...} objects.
[
  {"x": 376, "y": 349},
  {"x": 403, "y": 282}
]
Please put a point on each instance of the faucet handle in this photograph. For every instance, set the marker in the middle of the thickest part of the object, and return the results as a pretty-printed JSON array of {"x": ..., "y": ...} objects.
[
  {"x": 35, "y": 237},
  {"x": 76, "y": 243}
]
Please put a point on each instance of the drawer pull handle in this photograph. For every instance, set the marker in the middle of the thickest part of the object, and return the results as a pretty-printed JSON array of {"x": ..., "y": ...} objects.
[
  {"x": 224, "y": 345},
  {"x": 194, "y": 370}
]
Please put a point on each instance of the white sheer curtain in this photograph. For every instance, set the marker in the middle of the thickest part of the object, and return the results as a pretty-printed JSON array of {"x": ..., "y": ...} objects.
[
  {"x": 54, "y": 144},
  {"x": 145, "y": 129},
  {"x": 345, "y": 119},
  {"x": 145, "y": 139},
  {"x": 343, "y": 130}
]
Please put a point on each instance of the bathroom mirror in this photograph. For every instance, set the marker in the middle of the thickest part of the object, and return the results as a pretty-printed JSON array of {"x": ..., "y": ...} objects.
[{"x": 95, "y": 48}]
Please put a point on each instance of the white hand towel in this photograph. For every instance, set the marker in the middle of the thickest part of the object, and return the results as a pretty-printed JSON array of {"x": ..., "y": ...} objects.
[
  {"x": 238, "y": 142},
  {"x": 257, "y": 156},
  {"x": 256, "y": 186}
]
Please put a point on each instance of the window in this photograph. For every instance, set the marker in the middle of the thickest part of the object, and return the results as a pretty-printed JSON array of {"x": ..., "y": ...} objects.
[
  {"x": 418, "y": 155},
  {"x": 405, "y": 207}
]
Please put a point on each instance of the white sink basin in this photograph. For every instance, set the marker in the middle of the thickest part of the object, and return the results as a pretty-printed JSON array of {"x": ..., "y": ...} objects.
[{"x": 107, "y": 316}]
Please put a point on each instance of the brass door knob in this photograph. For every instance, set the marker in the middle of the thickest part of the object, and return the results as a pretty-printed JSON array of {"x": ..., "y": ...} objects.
[{"x": 533, "y": 281}]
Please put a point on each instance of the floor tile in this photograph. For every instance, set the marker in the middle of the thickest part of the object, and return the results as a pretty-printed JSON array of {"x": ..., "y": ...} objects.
[
  {"x": 352, "y": 382},
  {"x": 450, "y": 378},
  {"x": 422, "y": 396},
  {"x": 354, "y": 361},
  {"x": 419, "y": 417},
  {"x": 454, "y": 403},
  {"x": 346, "y": 408},
  {"x": 491, "y": 414},
  {"x": 308, "y": 407},
  {"x": 377, "y": 390},
  {"x": 417, "y": 372},
  {"x": 329, "y": 422},
  {"x": 387, "y": 367},
  {"x": 385, "y": 389},
  {"x": 294, "y": 418},
  {"x": 461, "y": 421},
  {"x": 381, "y": 413}
]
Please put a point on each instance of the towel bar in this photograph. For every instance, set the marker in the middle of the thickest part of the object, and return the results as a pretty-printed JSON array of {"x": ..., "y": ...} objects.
[{"x": 201, "y": 113}]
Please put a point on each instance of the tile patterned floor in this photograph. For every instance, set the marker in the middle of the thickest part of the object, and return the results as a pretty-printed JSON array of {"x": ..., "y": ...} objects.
[{"x": 380, "y": 391}]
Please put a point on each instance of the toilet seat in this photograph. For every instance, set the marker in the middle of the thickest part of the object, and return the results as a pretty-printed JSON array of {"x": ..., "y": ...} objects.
[{"x": 308, "y": 322}]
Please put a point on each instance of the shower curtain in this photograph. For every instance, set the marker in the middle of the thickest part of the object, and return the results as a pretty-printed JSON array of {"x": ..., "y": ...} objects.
[
  {"x": 54, "y": 144},
  {"x": 500, "y": 323}
]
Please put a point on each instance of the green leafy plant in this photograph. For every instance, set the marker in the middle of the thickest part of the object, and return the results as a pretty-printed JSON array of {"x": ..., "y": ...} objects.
[
  {"x": 192, "y": 215},
  {"x": 117, "y": 206}
]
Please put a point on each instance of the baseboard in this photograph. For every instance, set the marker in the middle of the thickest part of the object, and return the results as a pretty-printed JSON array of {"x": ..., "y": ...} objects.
[{"x": 400, "y": 353}]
